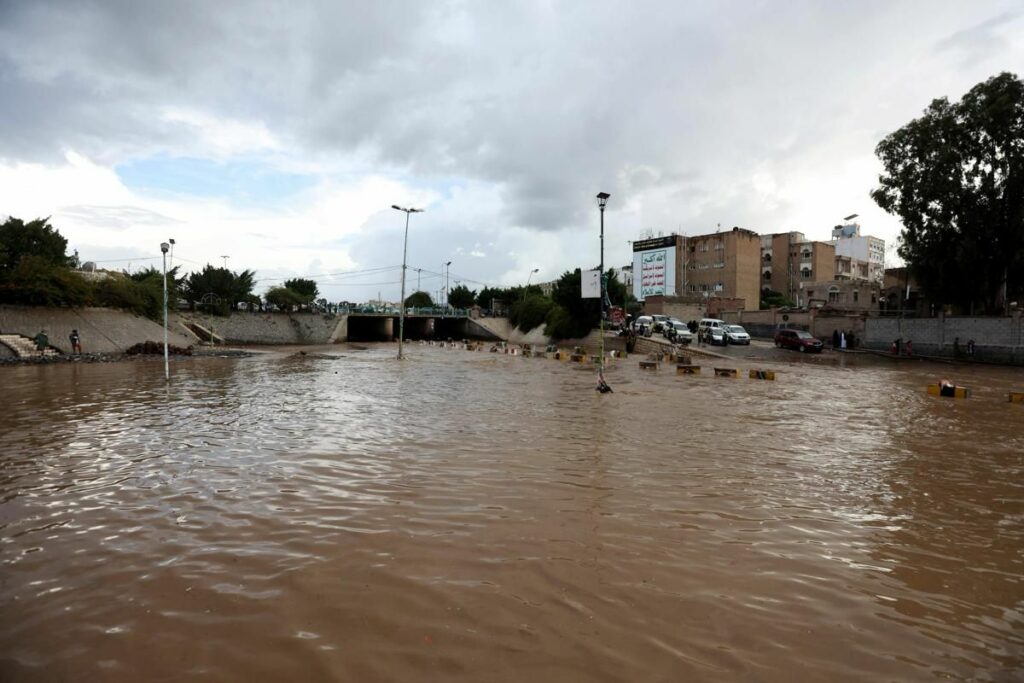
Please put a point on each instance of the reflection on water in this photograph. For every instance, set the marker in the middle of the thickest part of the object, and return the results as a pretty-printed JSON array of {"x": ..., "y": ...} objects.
[{"x": 473, "y": 517}]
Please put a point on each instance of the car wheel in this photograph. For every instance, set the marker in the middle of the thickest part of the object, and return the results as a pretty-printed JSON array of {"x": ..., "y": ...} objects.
[
  {"x": 802, "y": 348},
  {"x": 778, "y": 344}
]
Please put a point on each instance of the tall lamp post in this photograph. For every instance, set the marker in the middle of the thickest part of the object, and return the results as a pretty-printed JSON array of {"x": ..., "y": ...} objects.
[
  {"x": 164, "y": 248},
  {"x": 602, "y": 199},
  {"x": 528, "y": 277},
  {"x": 405, "y": 250},
  {"x": 447, "y": 270}
]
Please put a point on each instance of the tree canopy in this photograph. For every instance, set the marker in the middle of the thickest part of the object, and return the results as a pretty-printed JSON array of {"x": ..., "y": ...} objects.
[
  {"x": 461, "y": 296},
  {"x": 36, "y": 238},
  {"x": 955, "y": 177},
  {"x": 418, "y": 300},
  {"x": 229, "y": 287},
  {"x": 307, "y": 289}
]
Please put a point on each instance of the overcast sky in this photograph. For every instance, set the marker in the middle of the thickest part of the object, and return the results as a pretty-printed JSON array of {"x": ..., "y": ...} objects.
[{"x": 279, "y": 134}]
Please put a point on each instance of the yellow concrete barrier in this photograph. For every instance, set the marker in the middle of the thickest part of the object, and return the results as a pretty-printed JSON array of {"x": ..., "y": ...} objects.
[
  {"x": 578, "y": 358},
  {"x": 648, "y": 365},
  {"x": 1017, "y": 397},
  {"x": 763, "y": 374},
  {"x": 687, "y": 369},
  {"x": 726, "y": 372},
  {"x": 948, "y": 391}
]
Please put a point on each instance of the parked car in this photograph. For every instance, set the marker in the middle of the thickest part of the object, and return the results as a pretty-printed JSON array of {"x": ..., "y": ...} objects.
[
  {"x": 644, "y": 325},
  {"x": 735, "y": 334},
  {"x": 714, "y": 336},
  {"x": 659, "y": 322},
  {"x": 799, "y": 340},
  {"x": 679, "y": 333},
  {"x": 705, "y": 326}
]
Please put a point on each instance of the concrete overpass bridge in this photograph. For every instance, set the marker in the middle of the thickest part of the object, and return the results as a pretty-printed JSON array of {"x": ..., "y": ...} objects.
[{"x": 419, "y": 324}]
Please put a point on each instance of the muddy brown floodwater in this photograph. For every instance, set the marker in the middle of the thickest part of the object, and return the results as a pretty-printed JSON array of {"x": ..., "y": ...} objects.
[{"x": 472, "y": 517}]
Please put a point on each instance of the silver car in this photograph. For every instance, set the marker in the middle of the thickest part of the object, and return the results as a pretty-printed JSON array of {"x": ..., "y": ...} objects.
[{"x": 735, "y": 334}]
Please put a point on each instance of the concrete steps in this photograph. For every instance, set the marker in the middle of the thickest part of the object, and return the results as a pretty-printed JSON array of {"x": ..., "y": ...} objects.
[{"x": 23, "y": 347}]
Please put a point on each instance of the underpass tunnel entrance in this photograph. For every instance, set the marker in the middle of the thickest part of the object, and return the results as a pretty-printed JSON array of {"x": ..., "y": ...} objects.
[{"x": 371, "y": 328}]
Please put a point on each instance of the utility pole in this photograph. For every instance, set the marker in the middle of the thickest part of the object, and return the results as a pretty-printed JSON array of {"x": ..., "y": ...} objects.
[
  {"x": 405, "y": 250},
  {"x": 225, "y": 261},
  {"x": 602, "y": 199}
]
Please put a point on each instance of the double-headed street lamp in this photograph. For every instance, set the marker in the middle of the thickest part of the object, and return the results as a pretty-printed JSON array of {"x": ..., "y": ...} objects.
[
  {"x": 405, "y": 249},
  {"x": 602, "y": 386}
]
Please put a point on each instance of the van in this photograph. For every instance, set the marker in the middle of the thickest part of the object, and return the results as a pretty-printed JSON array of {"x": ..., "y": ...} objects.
[{"x": 705, "y": 326}]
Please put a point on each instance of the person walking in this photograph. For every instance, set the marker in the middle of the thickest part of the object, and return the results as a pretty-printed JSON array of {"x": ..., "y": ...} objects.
[
  {"x": 835, "y": 339},
  {"x": 42, "y": 341},
  {"x": 76, "y": 342}
]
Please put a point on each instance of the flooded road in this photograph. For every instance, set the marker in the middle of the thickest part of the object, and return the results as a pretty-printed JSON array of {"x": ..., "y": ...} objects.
[{"x": 470, "y": 517}]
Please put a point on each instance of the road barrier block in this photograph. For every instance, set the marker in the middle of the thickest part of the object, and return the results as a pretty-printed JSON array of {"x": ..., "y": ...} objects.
[
  {"x": 578, "y": 358},
  {"x": 763, "y": 374},
  {"x": 687, "y": 369},
  {"x": 683, "y": 360},
  {"x": 1017, "y": 397},
  {"x": 948, "y": 391},
  {"x": 727, "y": 372},
  {"x": 648, "y": 365}
]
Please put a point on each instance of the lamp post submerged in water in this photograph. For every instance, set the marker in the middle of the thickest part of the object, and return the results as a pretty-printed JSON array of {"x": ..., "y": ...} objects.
[
  {"x": 164, "y": 247},
  {"x": 405, "y": 249},
  {"x": 602, "y": 386}
]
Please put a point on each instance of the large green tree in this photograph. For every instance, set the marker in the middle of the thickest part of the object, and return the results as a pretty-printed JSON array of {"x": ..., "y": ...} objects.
[
  {"x": 418, "y": 300},
  {"x": 37, "y": 238},
  {"x": 461, "y": 296},
  {"x": 306, "y": 289},
  {"x": 229, "y": 287},
  {"x": 955, "y": 177}
]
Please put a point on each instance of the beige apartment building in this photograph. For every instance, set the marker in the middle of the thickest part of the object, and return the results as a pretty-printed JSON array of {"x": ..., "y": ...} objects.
[
  {"x": 723, "y": 264},
  {"x": 789, "y": 259}
]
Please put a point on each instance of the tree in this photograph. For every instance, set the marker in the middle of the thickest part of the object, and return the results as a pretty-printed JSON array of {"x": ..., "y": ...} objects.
[
  {"x": 230, "y": 288},
  {"x": 307, "y": 289},
  {"x": 955, "y": 177},
  {"x": 772, "y": 299},
  {"x": 38, "y": 238},
  {"x": 418, "y": 300},
  {"x": 285, "y": 298},
  {"x": 461, "y": 296},
  {"x": 489, "y": 297}
]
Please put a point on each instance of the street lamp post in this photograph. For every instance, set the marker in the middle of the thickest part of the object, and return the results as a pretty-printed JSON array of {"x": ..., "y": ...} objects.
[
  {"x": 528, "y": 283},
  {"x": 447, "y": 270},
  {"x": 164, "y": 248},
  {"x": 405, "y": 250},
  {"x": 602, "y": 199}
]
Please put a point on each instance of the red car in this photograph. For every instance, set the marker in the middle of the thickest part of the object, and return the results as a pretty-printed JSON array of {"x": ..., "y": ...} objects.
[{"x": 799, "y": 340}]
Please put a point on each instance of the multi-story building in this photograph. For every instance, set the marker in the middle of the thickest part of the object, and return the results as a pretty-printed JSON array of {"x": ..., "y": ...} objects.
[
  {"x": 720, "y": 264},
  {"x": 858, "y": 257},
  {"x": 789, "y": 259},
  {"x": 725, "y": 265}
]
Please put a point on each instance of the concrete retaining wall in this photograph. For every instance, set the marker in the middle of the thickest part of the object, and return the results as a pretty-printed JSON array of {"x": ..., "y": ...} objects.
[
  {"x": 103, "y": 330},
  {"x": 271, "y": 328},
  {"x": 996, "y": 339}
]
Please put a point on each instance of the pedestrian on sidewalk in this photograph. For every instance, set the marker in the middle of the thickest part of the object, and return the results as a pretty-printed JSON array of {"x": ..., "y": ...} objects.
[{"x": 76, "y": 342}]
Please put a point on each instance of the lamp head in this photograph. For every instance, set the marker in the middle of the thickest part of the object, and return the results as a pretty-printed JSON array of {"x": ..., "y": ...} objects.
[
  {"x": 172, "y": 241},
  {"x": 602, "y": 199},
  {"x": 164, "y": 247}
]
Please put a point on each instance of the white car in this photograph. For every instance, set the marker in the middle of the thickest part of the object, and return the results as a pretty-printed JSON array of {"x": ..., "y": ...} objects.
[
  {"x": 735, "y": 334},
  {"x": 679, "y": 333},
  {"x": 714, "y": 336}
]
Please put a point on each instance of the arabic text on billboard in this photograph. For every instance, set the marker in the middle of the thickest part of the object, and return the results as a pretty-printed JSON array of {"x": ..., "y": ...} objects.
[{"x": 653, "y": 271}]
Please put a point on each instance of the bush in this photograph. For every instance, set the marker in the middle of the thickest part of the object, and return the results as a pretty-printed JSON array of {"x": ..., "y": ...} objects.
[
  {"x": 560, "y": 324},
  {"x": 528, "y": 314},
  {"x": 284, "y": 298},
  {"x": 36, "y": 281}
]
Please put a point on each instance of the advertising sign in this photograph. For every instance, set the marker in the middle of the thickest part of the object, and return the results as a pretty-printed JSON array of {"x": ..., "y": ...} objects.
[{"x": 654, "y": 272}]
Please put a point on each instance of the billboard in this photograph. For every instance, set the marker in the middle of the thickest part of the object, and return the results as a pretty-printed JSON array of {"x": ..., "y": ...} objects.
[
  {"x": 654, "y": 268},
  {"x": 590, "y": 284}
]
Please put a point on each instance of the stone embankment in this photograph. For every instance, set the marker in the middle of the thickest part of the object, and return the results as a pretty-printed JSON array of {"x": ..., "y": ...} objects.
[
  {"x": 102, "y": 330},
  {"x": 265, "y": 328}
]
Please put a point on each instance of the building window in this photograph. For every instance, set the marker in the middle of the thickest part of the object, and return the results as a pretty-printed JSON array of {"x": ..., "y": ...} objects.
[
  {"x": 767, "y": 275},
  {"x": 767, "y": 258},
  {"x": 855, "y": 295},
  {"x": 806, "y": 272},
  {"x": 833, "y": 295}
]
